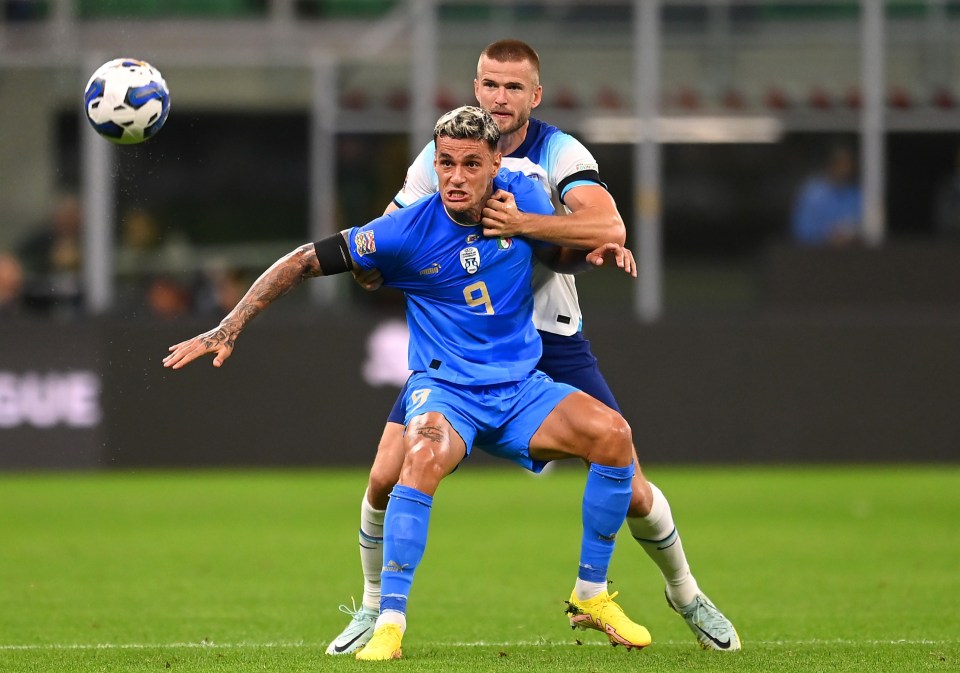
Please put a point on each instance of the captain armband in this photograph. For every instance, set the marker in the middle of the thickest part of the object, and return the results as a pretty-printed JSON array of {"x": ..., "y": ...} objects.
[{"x": 333, "y": 254}]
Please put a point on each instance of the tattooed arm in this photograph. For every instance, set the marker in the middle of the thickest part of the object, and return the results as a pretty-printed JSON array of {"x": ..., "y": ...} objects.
[{"x": 284, "y": 275}]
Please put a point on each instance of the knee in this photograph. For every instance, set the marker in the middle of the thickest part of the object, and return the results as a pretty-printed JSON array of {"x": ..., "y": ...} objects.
[
  {"x": 424, "y": 462},
  {"x": 612, "y": 441},
  {"x": 432, "y": 449}
]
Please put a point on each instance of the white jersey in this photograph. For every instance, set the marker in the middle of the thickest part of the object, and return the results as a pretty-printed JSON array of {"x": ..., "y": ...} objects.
[{"x": 558, "y": 162}]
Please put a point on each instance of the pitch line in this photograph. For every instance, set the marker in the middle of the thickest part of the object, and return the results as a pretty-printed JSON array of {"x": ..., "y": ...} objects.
[{"x": 480, "y": 643}]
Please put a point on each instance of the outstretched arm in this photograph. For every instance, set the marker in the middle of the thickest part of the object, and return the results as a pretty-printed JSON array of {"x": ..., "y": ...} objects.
[
  {"x": 284, "y": 275},
  {"x": 593, "y": 220}
]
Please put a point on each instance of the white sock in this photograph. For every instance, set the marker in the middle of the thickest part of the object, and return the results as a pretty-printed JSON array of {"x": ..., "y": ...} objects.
[
  {"x": 584, "y": 590},
  {"x": 392, "y": 617},
  {"x": 658, "y": 536},
  {"x": 371, "y": 552}
]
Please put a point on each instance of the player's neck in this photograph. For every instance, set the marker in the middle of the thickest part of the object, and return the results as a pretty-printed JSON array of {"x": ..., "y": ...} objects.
[
  {"x": 464, "y": 218},
  {"x": 510, "y": 142}
]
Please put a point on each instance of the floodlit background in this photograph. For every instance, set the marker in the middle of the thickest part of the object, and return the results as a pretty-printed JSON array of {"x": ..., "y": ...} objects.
[{"x": 743, "y": 340}]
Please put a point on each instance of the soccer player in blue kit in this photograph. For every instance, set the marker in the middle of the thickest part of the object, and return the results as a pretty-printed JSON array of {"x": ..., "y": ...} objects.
[
  {"x": 507, "y": 85},
  {"x": 473, "y": 350}
]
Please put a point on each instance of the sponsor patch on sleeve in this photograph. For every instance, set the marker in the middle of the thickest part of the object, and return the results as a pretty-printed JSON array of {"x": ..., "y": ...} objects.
[{"x": 365, "y": 243}]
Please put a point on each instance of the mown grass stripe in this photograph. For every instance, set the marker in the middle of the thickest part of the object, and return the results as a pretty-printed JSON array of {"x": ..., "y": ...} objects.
[{"x": 480, "y": 643}]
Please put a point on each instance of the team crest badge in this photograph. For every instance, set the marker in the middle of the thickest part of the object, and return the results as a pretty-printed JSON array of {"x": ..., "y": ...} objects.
[
  {"x": 504, "y": 243},
  {"x": 470, "y": 259},
  {"x": 365, "y": 243}
]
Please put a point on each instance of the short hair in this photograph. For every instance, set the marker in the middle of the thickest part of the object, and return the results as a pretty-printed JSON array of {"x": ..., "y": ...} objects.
[
  {"x": 468, "y": 122},
  {"x": 512, "y": 51}
]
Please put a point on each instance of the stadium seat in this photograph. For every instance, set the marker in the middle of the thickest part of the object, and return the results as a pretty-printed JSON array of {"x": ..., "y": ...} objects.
[
  {"x": 354, "y": 99},
  {"x": 943, "y": 98},
  {"x": 687, "y": 98},
  {"x": 565, "y": 99},
  {"x": 609, "y": 98},
  {"x": 444, "y": 99},
  {"x": 853, "y": 99},
  {"x": 899, "y": 98},
  {"x": 776, "y": 98},
  {"x": 733, "y": 99},
  {"x": 398, "y": 99},
  {"x": 819, "y": 98}
]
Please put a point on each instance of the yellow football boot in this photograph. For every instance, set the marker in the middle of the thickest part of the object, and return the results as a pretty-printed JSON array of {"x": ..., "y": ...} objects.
[
  {"x": 603, "y": 614},
  {"x": 384, "y": 645}
]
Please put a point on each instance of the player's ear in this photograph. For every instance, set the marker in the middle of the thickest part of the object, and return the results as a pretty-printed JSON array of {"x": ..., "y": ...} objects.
[
  {"x": 537, "y": 96},
  {"x": 476, "y": 89},
  {"x": 497, "y": 159}
]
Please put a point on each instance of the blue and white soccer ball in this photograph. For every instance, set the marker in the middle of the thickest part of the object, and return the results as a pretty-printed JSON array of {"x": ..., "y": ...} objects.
[{"x": 126, "y": 101}]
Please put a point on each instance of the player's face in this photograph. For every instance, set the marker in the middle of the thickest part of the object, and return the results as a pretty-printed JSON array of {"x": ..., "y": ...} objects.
[
  {"x": 507, "y": 90},
  {"x": 465, "y": 172}
]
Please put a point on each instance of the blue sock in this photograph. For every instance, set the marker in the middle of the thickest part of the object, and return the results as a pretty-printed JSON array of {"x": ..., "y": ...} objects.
[
  {"x": 404, "y": 539},
  {"x": 606, "y": 498}
]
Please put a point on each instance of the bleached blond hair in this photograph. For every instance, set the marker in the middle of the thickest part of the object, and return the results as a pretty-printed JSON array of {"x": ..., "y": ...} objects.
[{"x": 468, "y": 122}]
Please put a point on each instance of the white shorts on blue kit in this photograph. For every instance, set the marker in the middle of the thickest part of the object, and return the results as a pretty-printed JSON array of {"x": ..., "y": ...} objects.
[{"x": 500, "y": 419}]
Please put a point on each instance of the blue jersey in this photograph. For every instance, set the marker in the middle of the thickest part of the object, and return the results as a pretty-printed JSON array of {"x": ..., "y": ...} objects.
[
  {"x": 558, "y": 162},
  {"x": 469, "y": 298}
]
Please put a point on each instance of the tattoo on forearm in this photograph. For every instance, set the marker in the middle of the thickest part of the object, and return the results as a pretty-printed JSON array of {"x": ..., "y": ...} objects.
[
  {"x": 431, "y": 432},
  {"x": 246, "y": 312},
  {"x": 275, "y": 282},
  {"x": 271, "y": 286}
]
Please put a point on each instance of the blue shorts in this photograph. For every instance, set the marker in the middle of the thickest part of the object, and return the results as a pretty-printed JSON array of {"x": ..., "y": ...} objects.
[
  {"x": 565, "y": 359},
  {"x": 500, "y": 419}
]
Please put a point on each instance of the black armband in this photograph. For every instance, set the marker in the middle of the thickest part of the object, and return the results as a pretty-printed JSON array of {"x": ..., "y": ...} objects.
[
  {"x": 580, "y": 176},
  {"x": 333, "y": 254}
]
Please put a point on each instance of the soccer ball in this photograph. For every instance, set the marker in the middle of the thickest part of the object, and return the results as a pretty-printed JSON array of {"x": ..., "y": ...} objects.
[{"x": 126, "y": 101}]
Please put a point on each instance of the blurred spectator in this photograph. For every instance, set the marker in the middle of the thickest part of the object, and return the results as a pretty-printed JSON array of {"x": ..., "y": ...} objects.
[
  {"x": 946, "y": 207},
  {"x": 150, "y": 259},
  {"x": 146, "y": 247},
  {"x": 142, "y": 252},
  {"x": 139, "y": 232},
  {"x": 829, "y": 207},
  {"x": 167, "y": 298},
  {"x": 221, "y": 288},
  {"x": 11, "y": 285},
  {"x": 52, "y": 261}
]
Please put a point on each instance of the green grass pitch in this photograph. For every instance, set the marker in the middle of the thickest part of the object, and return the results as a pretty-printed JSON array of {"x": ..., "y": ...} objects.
[{"x": 822, "y": 569}]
